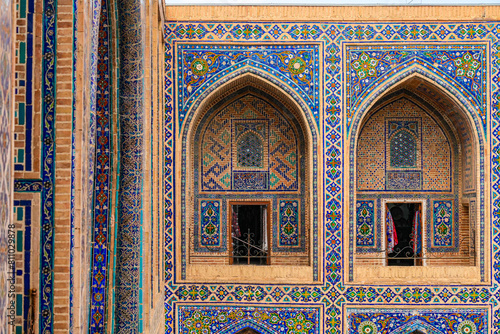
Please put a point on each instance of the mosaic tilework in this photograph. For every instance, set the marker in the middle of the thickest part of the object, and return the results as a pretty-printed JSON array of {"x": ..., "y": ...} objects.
[
  {"x": 102, "y": 180},
  {"x": 219, "y": 148},
  {"x": 431, "y": 321},
  {"x": 268, "y": 320},
  {"x": 46, "y": 320},
  {"x": 6, "y": 100},
  {"x": 461, "y": 65},
  {"x": 289, "y": 223},
  {"x": 23, "y": 116},
  {"x": 333, "y": 36},
  {"x": 442, "y": 223},
  {"x": 129, "y": 233},
  {"x": 202, "y": 65},
  {"x": 365, "y": 224},
  {"x": 24, "y": 253},
  {"x": 403, "y": 181},
  {"x": 281, "y": 149},
  {"x": 432, "y": 169},
  {"x": 249, "y": 142},
  {"x": 210, "y": 223}
]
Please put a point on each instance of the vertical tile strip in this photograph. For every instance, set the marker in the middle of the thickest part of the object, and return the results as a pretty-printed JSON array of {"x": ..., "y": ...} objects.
[
  {"x": 131, "y": 109},
  {"x": 102, "y": 175},
  {"x": 73, "y": 167},
  {"x": 48, "y": 167},
  {"x": 6, "y": 45}
]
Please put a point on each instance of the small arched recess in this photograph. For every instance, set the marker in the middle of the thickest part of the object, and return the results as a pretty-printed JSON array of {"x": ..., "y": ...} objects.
[
  {"x": 249, "y": 186},
  {"x": 416, "y": 172}
]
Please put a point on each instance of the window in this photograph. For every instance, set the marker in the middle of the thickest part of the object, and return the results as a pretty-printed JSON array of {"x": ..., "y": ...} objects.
[
  {"x": 249, "y": 233},
  {"x": 250, "y": 151},
  {"x": 249, "y": 330},
  {"x": 404, "y": 234},
  {"x": 415, "y": 190},
  {"x": 248, "y": 188},
  {"x": 403, "y": 150}
]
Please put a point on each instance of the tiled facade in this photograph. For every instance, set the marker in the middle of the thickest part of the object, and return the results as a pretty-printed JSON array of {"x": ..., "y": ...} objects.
[
  {"x": 133, "y": 138},
  {"x": 423, "y": 140}
]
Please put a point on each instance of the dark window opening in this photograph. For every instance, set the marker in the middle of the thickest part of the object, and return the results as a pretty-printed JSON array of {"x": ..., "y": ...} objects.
[
  {"x": 248, "y": 331},
  {"x": 404, "y": 240},
  {"x": 250, "y": 151},
  {"x": 249, "y": 234},
  {"x": 417, "y": 332}
]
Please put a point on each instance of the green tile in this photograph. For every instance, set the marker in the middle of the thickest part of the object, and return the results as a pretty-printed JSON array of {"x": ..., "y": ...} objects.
[
  {"x": 20, "y": 156},
  {"x": 19, "y": 242},
  {"x": 22, "y": 113},
  {"x": 19, "y": 304},
  {"x": 19, "y": 330},
  {"x": 22, "y": 9},
  {"x": 22, "y": 52},
  {"x": 20, "y": 213}
]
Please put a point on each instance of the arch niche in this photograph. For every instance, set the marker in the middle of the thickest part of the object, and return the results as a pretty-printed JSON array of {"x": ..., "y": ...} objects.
[
  {"x": 415, "y": 187},
  {"x": 249, "y": 151}
]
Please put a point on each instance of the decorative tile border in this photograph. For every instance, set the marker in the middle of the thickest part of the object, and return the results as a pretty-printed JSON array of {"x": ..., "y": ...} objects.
[
  {"x": 48, "y": 75},
  {"x": 231, "y": 319},
  {"x": 102, "y": 180},
  {"x": 128, "y": 289},
  {"x": 431, "y": 321}
]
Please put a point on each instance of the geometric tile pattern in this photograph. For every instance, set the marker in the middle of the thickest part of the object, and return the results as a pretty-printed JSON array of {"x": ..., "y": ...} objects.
[
  {"x": 275, "y": 177},
  {"x": 127, "y": 303},
  {"x": 295, "y": 64},
  {"x": 220, "y": 148},
  {"x": 102, "y": 180},
  {"x": 413, "y": 43},
  {"x": 268, "y": 320},
  {"x": 442, "y": 223},
  {"x": 289, "y": 223},
  {"x": 430, "y": 169},
  {"x": 365, "y": 224},
  {"x": 210, "y": 223},
  {"x": 432, "y": 321},
  {"x": 462, "y": 64},
  {"x": 403, "y": 147}
]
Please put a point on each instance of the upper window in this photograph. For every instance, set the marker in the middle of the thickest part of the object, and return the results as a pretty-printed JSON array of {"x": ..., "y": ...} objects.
[
  {"x": 250, "y": 151},
  {"x": 403, "y": 150}
]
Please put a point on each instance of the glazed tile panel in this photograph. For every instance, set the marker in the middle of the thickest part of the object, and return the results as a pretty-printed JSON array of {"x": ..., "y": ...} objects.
[
  {"x": 359, "y": 62},
  {"x": 401, "y": 321},
  {"x": 102, "y": 179}
]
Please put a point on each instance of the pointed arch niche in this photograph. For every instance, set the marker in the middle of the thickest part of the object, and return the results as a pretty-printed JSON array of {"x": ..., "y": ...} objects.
[
  {"x": 416, "y": 189},
  {"x": 249, "y": 157}
]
